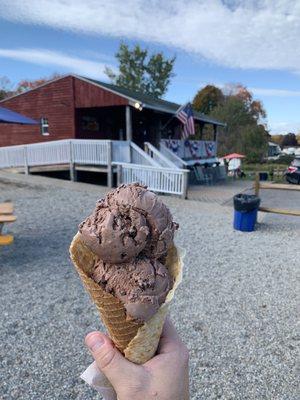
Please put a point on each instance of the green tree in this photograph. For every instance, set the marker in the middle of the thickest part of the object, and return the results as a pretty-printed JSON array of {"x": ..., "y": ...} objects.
[
  {"x": 276, "y": 139},
  {"x": 207, "y": 99},
  {"x": 290, "y": 140},
  {"x": 243, "y": 133},
  {"x": 138, "y": 71},
  {"x": 5, "y": 87},
  {"x": 254, "y": 107},
  {"x": 254, "y": 143}
]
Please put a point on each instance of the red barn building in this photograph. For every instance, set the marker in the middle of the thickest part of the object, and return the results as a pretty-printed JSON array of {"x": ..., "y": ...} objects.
[{"x": 74, "y": 107}]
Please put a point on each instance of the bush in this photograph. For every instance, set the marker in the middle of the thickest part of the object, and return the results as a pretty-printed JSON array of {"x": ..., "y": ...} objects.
[{"x": 285, "y": 159}]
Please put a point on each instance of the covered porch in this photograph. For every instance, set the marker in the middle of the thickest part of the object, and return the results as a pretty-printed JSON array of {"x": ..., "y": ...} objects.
[
  {"x": 139, "y": 123},
  {"x": 119, "y": 123}
]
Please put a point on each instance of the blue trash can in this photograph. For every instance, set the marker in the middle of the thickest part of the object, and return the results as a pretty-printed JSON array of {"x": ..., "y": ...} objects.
[
  {"x": 245, "y": 212},
  {"x": 244, "y": 221}
]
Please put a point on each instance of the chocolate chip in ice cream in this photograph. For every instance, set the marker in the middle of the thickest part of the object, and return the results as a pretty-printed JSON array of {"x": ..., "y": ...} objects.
[
  {"x": 141, "y": 285},
  {"x": 157, "y": 214},
  {"x": 115, "y": 235}
]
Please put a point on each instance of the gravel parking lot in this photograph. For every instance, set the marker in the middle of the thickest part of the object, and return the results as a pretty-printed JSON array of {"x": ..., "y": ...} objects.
[{"x": 236, "y": 307}]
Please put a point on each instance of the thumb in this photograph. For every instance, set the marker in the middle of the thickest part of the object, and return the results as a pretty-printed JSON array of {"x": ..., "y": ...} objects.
[{"x": 110, "y": 361}]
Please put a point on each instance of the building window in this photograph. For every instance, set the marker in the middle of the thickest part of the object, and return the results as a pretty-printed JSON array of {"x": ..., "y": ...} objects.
[{"x": 44, "y": 127}]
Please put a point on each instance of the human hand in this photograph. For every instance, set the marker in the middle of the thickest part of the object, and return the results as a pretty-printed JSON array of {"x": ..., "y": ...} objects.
[{"x": 164, "y": 377}]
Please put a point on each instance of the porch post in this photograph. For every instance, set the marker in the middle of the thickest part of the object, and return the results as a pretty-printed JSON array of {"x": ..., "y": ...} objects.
[
  {"x": 201, "y": 130},
  {"x": 184, "y": 194},
  {"x": 26, "y": 166},
  {"x": 73, "y": 172},
  {"x": 128, "y": 123},
  {"x": 109, "y": 165},
  {"x": 215, "y": 132},
  {"x": 216, "y": 139},
  {"x": 119, "y": 174}
]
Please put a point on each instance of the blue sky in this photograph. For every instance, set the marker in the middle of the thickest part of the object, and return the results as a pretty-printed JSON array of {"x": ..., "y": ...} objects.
[{"x": 254, "y": 42}]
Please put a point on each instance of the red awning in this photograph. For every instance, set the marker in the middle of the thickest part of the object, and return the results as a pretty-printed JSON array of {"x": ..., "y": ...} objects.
[{"x": 233, "y": 155}]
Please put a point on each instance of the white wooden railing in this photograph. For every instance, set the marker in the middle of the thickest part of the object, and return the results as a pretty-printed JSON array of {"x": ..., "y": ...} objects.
[
  {"x": 121, "y": 151},
  {"x": 138, "y": 156},
  {"x": 95, "y": 152},
  {"x": 132, "y": 162},
  {"x": 157, "y": 156},
  {"x": 158, "y": 179},
  {"x": 12, "y": 156},
  {"x": 80, "y": 151},
  {"x": 179, "y": 162},
  {"x": 56, "y": 152}
]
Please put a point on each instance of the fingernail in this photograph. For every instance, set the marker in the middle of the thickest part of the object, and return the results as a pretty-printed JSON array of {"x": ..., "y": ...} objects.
[{"x": 95, "y": 342}]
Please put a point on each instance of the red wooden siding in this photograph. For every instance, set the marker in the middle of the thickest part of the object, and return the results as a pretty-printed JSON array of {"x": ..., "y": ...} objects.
[
  {"x": 54, "y": 101},
  {"x": 89, "y": 95}
]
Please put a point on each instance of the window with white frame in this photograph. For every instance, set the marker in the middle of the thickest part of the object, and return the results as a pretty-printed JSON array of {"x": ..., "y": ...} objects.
[{"x": 44, "y": 126}]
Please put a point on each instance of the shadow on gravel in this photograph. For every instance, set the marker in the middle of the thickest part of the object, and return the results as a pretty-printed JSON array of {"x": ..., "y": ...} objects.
[
  {"x": 275, "y": 226},
  {"x": 34, "y": 249},
  {"x": 7, "y": 183}
]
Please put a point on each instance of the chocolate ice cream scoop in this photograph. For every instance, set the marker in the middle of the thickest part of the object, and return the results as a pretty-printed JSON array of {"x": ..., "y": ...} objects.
[
  {"x": 129, "y": 221},
  {"x": 115, "y": 235},
  {"x": 141, "y": 285},
  {"x": 157, "y": 214}
]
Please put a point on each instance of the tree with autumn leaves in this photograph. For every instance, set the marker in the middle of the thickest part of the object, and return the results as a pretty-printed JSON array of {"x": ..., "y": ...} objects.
[
  {"x": 288, "y": 140},
  {"x": 7, "y": 89},
  {"x": 245, "y": 131}
]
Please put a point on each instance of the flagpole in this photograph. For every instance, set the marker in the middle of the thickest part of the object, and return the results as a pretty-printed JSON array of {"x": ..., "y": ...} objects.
[
  {"x": 170, "y": 119},
  {"x": 167, "y": 123}
]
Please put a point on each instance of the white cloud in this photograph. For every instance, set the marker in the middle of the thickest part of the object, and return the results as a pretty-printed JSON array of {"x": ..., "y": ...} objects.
[
  {"x": 274, "y": 92},
  {"x": 258, "y": 91},
  {"x": 260, "y": 34},
  {"x": 47, "y": 57},
  {"x": 283, "y": 127}
]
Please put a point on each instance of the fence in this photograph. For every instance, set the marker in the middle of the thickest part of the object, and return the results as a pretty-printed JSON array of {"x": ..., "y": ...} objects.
[
  {"x": 158, "y": 179},
  {"x": 275, "y": 186}
]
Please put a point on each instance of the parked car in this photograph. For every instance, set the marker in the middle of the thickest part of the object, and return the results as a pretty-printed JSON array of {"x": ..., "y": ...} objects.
[{"x": 292, "y": 174}]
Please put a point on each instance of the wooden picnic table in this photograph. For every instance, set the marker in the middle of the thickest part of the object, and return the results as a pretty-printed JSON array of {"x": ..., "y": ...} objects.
[
  {"x": 6, "y": 208},
  {"x": 6, "y": 216}
]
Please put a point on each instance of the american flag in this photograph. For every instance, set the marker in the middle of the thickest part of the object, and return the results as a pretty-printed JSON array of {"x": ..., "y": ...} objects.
[{"x": 186, "y": 116}]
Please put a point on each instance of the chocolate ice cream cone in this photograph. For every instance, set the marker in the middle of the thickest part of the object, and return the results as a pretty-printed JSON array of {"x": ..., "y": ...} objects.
[{"x": 137, "y": 341}]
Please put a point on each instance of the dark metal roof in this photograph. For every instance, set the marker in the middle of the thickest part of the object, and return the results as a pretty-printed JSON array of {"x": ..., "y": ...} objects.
[{"x": 151, "y": 102}]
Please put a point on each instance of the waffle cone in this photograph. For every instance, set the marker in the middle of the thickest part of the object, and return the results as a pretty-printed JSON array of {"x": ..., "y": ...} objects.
[{"x": 137, "y": 341}]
